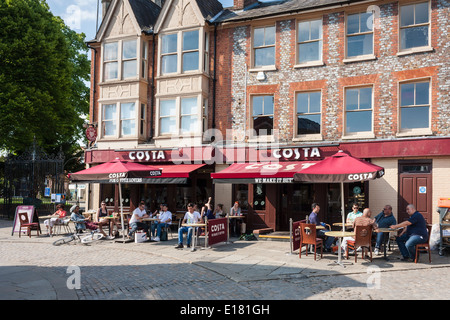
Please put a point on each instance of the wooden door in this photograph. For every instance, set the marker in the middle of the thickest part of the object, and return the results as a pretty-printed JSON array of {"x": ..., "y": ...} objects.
[{"x": 415, "y": 186}]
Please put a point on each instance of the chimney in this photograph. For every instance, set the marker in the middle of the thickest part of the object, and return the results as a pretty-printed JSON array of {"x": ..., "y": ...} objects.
[
  {"x": 105, "y": 6},
  {"x": 241, "y": 4}
]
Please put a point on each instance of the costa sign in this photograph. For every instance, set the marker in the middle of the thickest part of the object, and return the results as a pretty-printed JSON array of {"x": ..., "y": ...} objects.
[
  {"x": 296, "y": 153},
  {"x": 147, "y": 155}
]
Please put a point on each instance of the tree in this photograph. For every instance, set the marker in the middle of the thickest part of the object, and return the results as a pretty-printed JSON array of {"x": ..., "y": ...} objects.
[{"x": 43, "y": 69}]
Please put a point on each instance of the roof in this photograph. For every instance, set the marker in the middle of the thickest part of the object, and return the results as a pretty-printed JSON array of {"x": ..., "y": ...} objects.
[
  {"x": 209, "y": 8},
  {"x": 277, "y": 7},
  {"x": 146, "y": 13}
]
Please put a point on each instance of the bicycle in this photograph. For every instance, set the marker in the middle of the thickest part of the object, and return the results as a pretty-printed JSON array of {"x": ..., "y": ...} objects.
[{"x": 94, "y": 236}]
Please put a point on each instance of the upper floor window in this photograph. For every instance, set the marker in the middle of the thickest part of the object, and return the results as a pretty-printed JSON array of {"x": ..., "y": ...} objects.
[
  {"x": 262, "y": 114},
  {"x": 359, "y": 34},
  {"x": 309, "y": 41},
  {"x": 169, "y": 53},
  {"x": 308, "y": 112},
  {"x": 358, "y": 110},
  {"x": 120, "y": 119},
  {"x": 415, "y": 105},
  {"x": 190, "y": 50},
  {"x": 120, "y": 60},
  {"x": 414, "y": 25},
  {"x": 264, "y": 46},
  {"x": 179, "y": 116}
]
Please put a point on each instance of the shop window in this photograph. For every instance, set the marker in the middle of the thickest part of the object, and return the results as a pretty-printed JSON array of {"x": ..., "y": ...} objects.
[
  {"x": 264, "y": 46},
  {"x": 259, "y": 196},
  {"x": 359, "y": 34},
  {"x": 414, "y": 26},
  {"x": 309, "y": 41},
  {"x": 241, "y": 195}
]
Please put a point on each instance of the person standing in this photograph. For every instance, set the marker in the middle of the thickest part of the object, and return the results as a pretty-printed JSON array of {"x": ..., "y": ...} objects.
[
  {"x": 414, "y": 232},
  {"x": 384, "y": 219}
]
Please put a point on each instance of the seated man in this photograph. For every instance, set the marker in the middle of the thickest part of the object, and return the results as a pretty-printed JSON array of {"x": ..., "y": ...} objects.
[
  {"x": 164, "y": 220},
  {"x": 313, "y": 219},
  {"x": 136, "y": 219},
  {"x": 414, "y": 232},
  {"x": 191, "y": 216},
  {"x": 364, "y": 220},
  {"x": 384, "y": 219},
  {"x": 81, "y": 223}
]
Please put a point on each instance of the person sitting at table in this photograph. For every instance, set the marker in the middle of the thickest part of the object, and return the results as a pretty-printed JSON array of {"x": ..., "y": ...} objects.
[
  {"x": 56, "y": 219},
  {"x": 384, "y": 219},
  {"x": 414, "y": 232},
  {"x": 207, "y": 211},
  {"x": 160, "y": 211},
  {"x": 314, "y": 219},
  {"x": 81, "y": 223},
  {"x": 354, "y": 214},
  {"x": 164, "y": 220},
  {"x": 191, "y": 216},
  {"x": 101, "y": 221},
  {"x": 364, "y": 220},
  {"x": 218, "y": 212},
  {"x": 136, "y": 220}
]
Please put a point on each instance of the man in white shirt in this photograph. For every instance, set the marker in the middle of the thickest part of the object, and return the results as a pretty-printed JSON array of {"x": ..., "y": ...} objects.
[
  {"x": 191, "y": 216},
  {"x": 165, "y": 219},
  {"x": 136, "y": 219}
]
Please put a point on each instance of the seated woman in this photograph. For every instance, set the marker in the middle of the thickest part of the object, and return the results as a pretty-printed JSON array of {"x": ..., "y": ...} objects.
[
  {"x": 81, "y": 223},
  {"x": 56, "y": 219},
  {"x": 100, "y": 219}
]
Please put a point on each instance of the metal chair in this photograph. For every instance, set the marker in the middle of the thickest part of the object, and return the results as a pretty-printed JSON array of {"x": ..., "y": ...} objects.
[
  {"x": 424, "y": 246},
  {"x": 363, "y": 239},
  {"x": 308, "y": 235}
]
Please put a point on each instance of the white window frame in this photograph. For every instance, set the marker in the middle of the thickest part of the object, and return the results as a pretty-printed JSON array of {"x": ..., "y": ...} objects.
[
  {"x": 120, "y": 60},
  {"x": 201, "y": 52},
  {"x": 368, "y": 56},
  {"x": 317, "y": 62},
  {"x": 264, "y": 46},
  {"x": 311, "y": 136},
  {"x": 178, "y": 116},
  {"x": 415, "y": 131},
  {"x": 254, "y": 134},
  {"x": 118, "y": 120},
  {"x": 359, "y": 134},
  {"x": 424, "y": 48}
]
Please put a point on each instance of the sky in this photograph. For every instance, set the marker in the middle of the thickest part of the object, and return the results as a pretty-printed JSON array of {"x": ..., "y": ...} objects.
[{"x": 81, "y": 15}]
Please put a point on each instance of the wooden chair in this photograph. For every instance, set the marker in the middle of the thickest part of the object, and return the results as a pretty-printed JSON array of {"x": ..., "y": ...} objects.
[
  {"x": 424, "y": 246},
  {"x": 25, "y": 223},
  {"x": 363, "y": 239},
  {"x": 308, "y": 235}
]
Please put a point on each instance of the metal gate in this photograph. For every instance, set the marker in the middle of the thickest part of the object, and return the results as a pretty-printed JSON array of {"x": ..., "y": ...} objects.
[{"x": 26, "y": 177}]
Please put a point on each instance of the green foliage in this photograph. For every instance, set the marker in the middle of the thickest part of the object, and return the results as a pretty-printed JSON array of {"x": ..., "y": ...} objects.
[{"x": 43, "y": 66}]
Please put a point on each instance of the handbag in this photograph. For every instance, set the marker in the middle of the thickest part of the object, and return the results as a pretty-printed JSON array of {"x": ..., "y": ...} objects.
[{"x": 163, "y": 236}]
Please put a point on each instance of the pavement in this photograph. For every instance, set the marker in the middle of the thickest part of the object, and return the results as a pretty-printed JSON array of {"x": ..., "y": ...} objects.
[{"x": 34, "y": 269}]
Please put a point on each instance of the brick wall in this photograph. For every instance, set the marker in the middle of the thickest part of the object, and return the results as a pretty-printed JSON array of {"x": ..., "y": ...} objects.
[{"x": 383, "y": 73}]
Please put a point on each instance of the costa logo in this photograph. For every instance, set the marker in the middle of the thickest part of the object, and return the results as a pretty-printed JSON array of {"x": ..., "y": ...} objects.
[
  {"x": 117, "y": 175},
  {"x": 217, "y": 227},
  {"x": 360, "y": 176}
]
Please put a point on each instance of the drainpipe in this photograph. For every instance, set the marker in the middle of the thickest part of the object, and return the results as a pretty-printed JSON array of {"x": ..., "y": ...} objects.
[
  {"x": 152, "y": 86},
  {"x": 214, "y": 78}
]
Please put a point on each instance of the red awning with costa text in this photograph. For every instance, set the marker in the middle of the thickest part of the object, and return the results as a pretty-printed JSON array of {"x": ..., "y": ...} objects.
[{"x": 261, "y": 172}]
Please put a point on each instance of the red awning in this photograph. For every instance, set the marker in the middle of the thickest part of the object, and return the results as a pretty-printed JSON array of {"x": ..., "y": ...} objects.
[{"x": 260, "y": 172}]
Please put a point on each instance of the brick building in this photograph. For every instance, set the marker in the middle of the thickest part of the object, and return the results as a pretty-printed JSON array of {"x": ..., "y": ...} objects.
[{"x": 288, "y": 81}]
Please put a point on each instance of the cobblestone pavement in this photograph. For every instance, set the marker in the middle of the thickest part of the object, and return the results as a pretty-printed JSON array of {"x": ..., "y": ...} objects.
[{"x": 32, "y": 268}]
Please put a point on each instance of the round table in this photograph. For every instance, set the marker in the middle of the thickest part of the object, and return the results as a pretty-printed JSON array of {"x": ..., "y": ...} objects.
[
  {"x": 194, "y": 235},
  {"x": 339, "y": 224},
  {"x": 339, "y": 235}
]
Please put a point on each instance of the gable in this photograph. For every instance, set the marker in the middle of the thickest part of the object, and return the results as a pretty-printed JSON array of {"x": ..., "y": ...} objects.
[
  {"x": 119, "y": 21},
  {"x": 178, "y": 14}
]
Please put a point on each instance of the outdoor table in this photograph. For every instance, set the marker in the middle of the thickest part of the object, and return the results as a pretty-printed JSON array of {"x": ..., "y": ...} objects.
[
  {"x": 194, "y": 233},
  {"x": 339, "y": 235},
  {"x": 386, "y": 232},
  {"x": 47, "y": 217},
  {"x": 232, "y": 217},
  {"x": 339, "y": 224}
]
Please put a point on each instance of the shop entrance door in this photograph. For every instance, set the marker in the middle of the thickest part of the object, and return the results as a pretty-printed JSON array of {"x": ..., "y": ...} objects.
[
  {"x": 415, "y": 187},
  {"x": 294, "y": 202}
]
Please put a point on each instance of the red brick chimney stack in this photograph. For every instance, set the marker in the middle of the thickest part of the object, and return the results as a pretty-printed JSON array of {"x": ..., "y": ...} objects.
[{"x": 241, "y": 4}]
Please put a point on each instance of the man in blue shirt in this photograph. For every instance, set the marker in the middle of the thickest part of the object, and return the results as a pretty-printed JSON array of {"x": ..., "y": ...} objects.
[
  {"x": 383, "y": 220},
  {"x": 314, "y": 219},
  {"x": 415, "y": 232}
]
